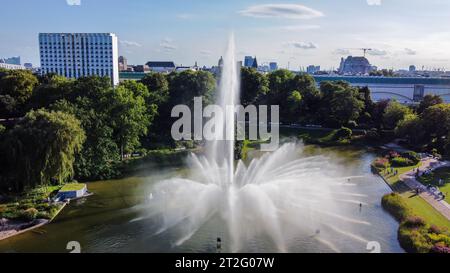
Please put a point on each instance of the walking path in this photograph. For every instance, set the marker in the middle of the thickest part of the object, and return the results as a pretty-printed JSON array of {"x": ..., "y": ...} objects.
[{"x": 433, "y": 199}]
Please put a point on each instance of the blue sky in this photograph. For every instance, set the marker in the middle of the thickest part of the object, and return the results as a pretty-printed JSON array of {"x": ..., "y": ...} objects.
[{"x": 298, "y": 33}]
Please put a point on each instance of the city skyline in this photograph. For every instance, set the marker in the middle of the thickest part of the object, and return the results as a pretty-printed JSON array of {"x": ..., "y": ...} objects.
[{"x": 301, "y": 33}]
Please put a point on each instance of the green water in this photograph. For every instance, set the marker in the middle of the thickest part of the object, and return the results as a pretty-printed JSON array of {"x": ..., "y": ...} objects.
[{"x": 111, "y": 219}]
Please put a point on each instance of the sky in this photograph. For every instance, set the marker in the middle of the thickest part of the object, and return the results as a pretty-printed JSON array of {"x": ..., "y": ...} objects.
[{"x": 293, "y": 33}]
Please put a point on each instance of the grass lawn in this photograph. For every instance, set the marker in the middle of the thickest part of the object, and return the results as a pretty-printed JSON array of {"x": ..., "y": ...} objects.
[
  {"x": 419, "y": 206},
  {"x": 72, "y": 187},
  {"x": 433, "y": 179},
  {"x": 16, "y": 206}
]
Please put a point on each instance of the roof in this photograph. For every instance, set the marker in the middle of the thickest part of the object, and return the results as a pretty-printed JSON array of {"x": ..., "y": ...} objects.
[
  {"x": 160, "y": 64},
  {"x": 72, "y": 187}
]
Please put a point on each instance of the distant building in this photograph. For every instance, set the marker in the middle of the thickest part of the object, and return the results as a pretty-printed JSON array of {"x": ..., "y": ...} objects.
[
  {"x": 312, "y": 69},
  {"x": 75, "y": 55},
  {"x": 141, "y": 68},
  {"x": 273, "y": 66},
  {"x": 255, "y": 63},
  {"x": 248, "y": 61},
  {"x": 12, "y": 60},
  {"x": 28, "y": 66},
  {"x": 161, "y": 67},
  {"x": 123, "y": 63},
  {"x": 412, "y": 68},
  {"x": 355, "y": 66},
  {"x": 11, "y": 66},
  {"x": 220, "y": 62}
]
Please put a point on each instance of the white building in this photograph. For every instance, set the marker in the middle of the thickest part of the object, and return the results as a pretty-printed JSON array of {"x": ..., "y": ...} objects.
[
  {"x": 11, "y": 66},
  {"x": 75, "y": 55}
]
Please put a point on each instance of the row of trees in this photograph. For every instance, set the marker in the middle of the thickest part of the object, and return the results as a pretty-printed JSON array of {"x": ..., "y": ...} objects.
[{"x": 65, "y": 129}]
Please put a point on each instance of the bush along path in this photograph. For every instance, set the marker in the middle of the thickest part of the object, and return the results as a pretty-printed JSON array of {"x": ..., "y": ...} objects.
[
  {"x": 423, "y": 228},
  {"x": 435, "y": 200}
]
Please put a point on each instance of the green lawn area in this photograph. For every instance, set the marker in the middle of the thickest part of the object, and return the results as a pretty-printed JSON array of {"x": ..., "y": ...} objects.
[
  {"x": 433, "y": 179},
  {"x": 419, "y": 206},
  {"x": 72, "y": 187}
]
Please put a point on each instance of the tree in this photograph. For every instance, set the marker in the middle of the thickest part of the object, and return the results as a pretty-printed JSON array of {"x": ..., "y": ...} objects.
[
  {"x": 254, "y": 85},
  {"x": 428, "y": 101},
  {"x": 130, "y": 118},
  {"x": 16, "y": 87},
  {"x": 394, "y": 113},
  {"x": 158, "y": 87},
  {"x": 293, "y": 104},
  {"x": 436, "y": 120},
  {"x": 340, "y": 103},
  {"x": 41, "y": 149},
  {"x": 188, "y": 84},
  {"x": 411, "y": 128},
  {"x": 53, "y": 89}
]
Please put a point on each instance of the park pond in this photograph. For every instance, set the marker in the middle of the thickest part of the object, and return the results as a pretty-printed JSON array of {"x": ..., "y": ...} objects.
[{"x": 115, "y": 218}]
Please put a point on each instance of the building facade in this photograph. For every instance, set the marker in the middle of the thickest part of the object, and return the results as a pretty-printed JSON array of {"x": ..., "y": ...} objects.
[
  {"x": 355, "y": 66},
  {"x": 12, "y": 60},
  {"x": 75, "y": 55},
  {"x": 312, "y": 69},
  {"x": 11, "y": 66},
  {"x": 161, "y": 67}
]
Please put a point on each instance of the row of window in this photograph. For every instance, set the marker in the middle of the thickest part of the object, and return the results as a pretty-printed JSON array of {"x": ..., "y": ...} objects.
[{"x": 73, "y": 73}]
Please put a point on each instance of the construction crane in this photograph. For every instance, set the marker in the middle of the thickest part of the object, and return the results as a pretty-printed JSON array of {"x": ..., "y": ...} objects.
[{"x": 363, "y": 49}]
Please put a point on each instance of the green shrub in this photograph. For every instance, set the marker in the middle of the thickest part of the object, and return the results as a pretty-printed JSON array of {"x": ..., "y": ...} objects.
[
  {"x": 343, "y": 133},
  {"x": 29, "y": 214},
  {"x": 381, "y": 163},
  {"x": 401, "y": 162},
  {"x": 43, "y": 215},
  {"x": 413, "y": 156},
  {"x": 414, "y": 222},
  {"x": 413, "y": 240},
  {"x": 396, "y": 206}
]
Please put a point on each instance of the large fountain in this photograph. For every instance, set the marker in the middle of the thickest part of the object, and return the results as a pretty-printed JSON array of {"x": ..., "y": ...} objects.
[{"x": 280, "y": 196}]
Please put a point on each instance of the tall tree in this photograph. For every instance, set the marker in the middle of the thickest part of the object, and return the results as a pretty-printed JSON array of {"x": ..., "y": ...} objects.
[
  {"x": 16, "y": 87},
  {"x": 394, "y": 113},
  {"x": 158, "y": 87},
  {"x": 130, "y": 118},
  {"x": 428, "y": 101},
  {"x": 41, "y": 149},
  {"x": 254, "y": 85}
]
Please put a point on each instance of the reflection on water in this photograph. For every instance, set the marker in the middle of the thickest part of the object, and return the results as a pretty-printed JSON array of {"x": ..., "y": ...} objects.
[{"x": 113, "y": 220}]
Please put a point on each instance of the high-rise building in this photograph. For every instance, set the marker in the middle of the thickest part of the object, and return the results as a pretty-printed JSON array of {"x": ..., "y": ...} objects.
[
  {"x": 255, "y": 63},
  {"x": 75, "y": 55},
  {"x": 312, "y": 69},
  {"x": 123, "y": 63},
  {"x": 273, "y": 66},
  {"x": 248, "y": 61}
]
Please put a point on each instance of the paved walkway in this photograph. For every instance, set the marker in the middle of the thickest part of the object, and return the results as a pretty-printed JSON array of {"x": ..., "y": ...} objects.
[{"x": 410, "y": 180}]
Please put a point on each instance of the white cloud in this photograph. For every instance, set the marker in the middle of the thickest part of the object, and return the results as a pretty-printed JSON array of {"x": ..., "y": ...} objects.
[
  {"x": 130, "y": 43},
  {"x": 185, "y": 16},
  {"x": 206, "y": 53},
  {"x": 289, "y": 11},
  {"x": 296, "y": 27},
  {"x": 167, "y": 45},
  {"x": 341, "y": 51},
  {"x": 377, "y": 52},
  {"x": 410, "y": 51},
  {"x": 73, "y": 2},
  {"x": 302, "y": 45},
  {"x": 374, "y": 2}
]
